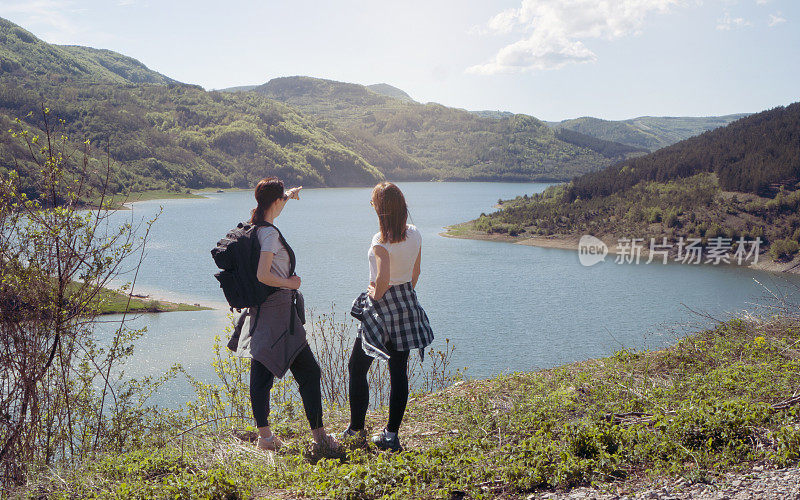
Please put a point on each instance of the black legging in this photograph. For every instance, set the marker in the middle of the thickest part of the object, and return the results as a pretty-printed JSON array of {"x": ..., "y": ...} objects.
[
  {"x": 359, "y": 387},
  {"x": 307, "y": 374}
]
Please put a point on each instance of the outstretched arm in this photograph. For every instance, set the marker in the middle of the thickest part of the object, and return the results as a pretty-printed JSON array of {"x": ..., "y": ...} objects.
[{"x": 294, "y": 193}]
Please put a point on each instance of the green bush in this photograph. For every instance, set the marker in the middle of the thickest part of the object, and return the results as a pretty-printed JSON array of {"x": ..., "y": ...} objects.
[
  {"x": 784, "y": 250},
  {"x": 653, "y": 214}
]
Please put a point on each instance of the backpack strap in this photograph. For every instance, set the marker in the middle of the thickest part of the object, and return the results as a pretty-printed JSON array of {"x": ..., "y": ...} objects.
[
  {"x": 292, "y": 258},
  {"x": 292, "y": 263}
]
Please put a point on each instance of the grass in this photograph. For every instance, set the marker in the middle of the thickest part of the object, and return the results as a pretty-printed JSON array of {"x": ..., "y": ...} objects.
[
  {"x": 161, "y": 194},
  {"x": 210, "y": 190},
  {"x": 118, "y": 201},
  {"x": 112, "y": 302},
  {"x": 717, "y": 401}
]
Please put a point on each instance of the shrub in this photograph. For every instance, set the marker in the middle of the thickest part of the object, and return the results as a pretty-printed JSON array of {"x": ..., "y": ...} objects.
[
  {"x": 70, "y": 405},
  {"x": 784, "y": 250},
  {"x": 671, "y": 217},
  {"x": 714, "y": 231},
  {"x": 653, "y": 214}
]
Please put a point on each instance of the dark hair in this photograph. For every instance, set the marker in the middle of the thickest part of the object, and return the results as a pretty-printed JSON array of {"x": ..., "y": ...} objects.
[
  {"x": 390, "y": 204},
  {"x": 268, "y": 191}
]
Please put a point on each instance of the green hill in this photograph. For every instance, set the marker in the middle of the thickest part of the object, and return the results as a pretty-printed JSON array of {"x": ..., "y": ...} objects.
[
  {"x": 23, "y": 55},
  {"x": 647, "y": 132},
  {"x": 161, "y": 134},
  {"x": 389, "y": 91},
  {"x": 409, "y": 140},
  {"x": 179, "y": 136},
  {"x": 241, "y": 88},
  {"x": 742, "y": 180},
  {"x": 748, "y": 155},
  {"x": 492, "y": 114}
]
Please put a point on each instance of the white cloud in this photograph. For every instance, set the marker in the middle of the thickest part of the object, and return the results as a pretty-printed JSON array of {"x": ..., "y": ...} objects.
[
  {"x": 761, "y": 2},
  {"x": 504, "y": 22},
  {"x": 776, "y": 19},
  {"x": 535, "y": 54},
  {"x": 50, "y": 13},
  {"x": 552, "y": 32},
  {"x": 726, "y": 22}
]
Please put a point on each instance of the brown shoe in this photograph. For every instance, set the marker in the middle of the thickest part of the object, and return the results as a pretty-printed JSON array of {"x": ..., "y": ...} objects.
[
  {"x": 329, "y": 447},
  {"x": 272, "y": 443}
]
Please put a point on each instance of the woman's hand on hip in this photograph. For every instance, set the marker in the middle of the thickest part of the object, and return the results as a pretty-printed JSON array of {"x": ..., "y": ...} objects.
[{"x": 293, "y": 282}]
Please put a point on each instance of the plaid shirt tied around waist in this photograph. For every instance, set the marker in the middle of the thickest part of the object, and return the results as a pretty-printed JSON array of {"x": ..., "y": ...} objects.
[{"x": 396, "y": 319}]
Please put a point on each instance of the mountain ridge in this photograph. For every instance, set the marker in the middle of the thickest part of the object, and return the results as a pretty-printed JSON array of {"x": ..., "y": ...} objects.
[
  {"x": 432, "y": 141},
  {"x": 648, "y": 132},
  {"x": 390, "y": 91},
  {"x": 22, "y": 54}
]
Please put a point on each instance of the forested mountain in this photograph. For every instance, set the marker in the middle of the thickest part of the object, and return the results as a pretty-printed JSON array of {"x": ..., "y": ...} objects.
[
  {"x": 611, "y": 150},
  {"x": 749, "y": 155},
  {"x": 492, "y": 114},
  {"x": 389, "y": 91},
  {"x": 409, "y": 140},
  {"x": 179, "y": 136},
  {"x": 241, "y": 88},
  {"x": 742, "y": 180},
  {"x": 647, "y": 132},
  {"x": 160, "y": 134},
  {"x": 22, "y": 55}
]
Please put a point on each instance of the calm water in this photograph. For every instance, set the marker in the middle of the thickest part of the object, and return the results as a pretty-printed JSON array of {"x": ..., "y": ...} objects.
[{"x": 506, "y": 307}]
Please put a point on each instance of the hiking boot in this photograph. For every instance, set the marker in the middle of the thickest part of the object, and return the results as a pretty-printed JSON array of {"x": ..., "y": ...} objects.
[
  {"x": 272, "y": 443},
  {"x": 353, "y": 439},
  {"x": 329, "y": 447},
  {"x": 384, "y": 442}
]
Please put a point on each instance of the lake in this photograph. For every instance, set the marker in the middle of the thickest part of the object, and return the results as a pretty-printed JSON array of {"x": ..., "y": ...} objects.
[{"x": 506, "y": 307}]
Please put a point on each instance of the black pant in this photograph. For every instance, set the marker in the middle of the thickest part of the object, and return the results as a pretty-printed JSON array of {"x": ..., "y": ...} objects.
[
  {"x": 308, "y": 376},
  {"x": 359, "y": 387}
]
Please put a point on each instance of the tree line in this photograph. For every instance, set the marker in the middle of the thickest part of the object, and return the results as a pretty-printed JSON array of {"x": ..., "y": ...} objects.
[{"x": 755, "y": 154}]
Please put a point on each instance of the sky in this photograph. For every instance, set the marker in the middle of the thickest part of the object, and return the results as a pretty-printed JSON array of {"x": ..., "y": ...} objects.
[{"x": 553, "y": 59}]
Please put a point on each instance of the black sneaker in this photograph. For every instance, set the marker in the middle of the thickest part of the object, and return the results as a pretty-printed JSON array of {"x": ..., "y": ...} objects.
[{"x": 384, "y": 442}]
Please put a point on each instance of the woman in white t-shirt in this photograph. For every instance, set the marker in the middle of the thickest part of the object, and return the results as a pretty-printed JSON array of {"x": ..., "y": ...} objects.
[{"x": 392, "y": 321}]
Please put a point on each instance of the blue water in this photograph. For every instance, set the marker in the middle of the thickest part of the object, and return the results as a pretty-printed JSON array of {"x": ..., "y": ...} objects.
[{"x": 506, "y": 307}]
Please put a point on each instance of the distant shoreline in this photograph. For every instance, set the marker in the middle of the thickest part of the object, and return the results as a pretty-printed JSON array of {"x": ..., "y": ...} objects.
[
  {"x": 459, "y": 231},
  {"x": 114, "y": 302}
]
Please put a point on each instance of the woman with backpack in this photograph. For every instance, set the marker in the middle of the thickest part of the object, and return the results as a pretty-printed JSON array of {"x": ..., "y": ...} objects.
[
  {"x": 276, "y": 339},
  {"x": 392, "y": 321}
]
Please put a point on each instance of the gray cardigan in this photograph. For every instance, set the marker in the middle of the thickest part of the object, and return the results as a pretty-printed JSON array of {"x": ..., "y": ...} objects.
[{"x": 263, "y": 333}]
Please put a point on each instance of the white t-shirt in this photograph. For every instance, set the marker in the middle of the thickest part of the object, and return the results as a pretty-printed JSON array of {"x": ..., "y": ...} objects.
[{"x": 402, "y": 256}]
